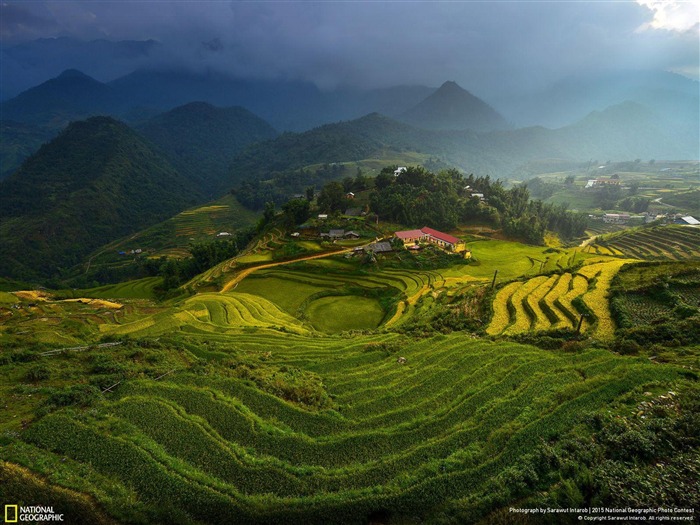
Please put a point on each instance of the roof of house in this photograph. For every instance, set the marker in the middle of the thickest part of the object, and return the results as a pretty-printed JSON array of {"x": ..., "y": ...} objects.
[
  {"x": 690, "y": 220},
  {"x": 336, "y": 233},
  {"x": 442, "y": 236},
  {"x": 410, "y": 234},
  {"x": 379, "y": 247},
  {"x": 352, "y": 233}
]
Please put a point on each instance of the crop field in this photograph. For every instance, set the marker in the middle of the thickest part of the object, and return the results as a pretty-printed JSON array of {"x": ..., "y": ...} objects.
[
  {"x": 545, "y": 303},
  {"x": 656, "y": 243},
  {"x": 220, "y": 313},
  {"x": 513, "y": 259},
  {"x": 655, "y": 293},
  {"x": 407, "y": 437},
  {"x": 136, "y": 289},
  {"x": 309, "y": 392},
  {"x": 346, "y": 312}
]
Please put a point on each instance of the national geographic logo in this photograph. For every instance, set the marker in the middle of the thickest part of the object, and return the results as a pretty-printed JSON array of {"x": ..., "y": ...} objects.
[
  {"x": 17, "y": 514},
  {"x": 11, "y": 513}
]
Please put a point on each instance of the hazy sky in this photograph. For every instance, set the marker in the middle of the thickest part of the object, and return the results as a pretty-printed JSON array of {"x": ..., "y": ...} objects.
[{"x": 483, "y": 45}]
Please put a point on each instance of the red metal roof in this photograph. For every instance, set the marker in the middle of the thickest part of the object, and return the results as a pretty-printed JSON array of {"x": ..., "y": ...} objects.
[
  {"x": 442, "y": 236},
  {"x": 410, "y": 234}
]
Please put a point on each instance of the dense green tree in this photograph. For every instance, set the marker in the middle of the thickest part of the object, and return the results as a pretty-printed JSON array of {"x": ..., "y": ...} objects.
[
  {"x": 310, "y": 193},
  {"x": 332, "y": 197},
  {"x": 384, "y": 179},
  {"x": 296, "y": 211}
]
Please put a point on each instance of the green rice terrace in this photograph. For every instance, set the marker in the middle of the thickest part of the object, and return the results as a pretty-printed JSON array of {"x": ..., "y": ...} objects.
[{"x": 311, "y": 382}]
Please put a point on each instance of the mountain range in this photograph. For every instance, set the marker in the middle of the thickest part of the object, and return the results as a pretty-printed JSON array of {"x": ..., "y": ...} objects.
[{"x": 101, "y": 179}]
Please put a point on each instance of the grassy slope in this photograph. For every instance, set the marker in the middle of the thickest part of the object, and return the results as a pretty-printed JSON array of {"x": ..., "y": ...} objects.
[
  {"x": 263, "y": 419},
  {"x": 172, "y": 237}
]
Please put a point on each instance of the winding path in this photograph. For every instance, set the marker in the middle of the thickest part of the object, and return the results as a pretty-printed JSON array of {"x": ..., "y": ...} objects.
[{"x": 245, "y": 273}]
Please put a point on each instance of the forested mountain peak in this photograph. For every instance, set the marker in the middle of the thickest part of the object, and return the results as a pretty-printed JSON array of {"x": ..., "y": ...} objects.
[
  {"x": 97, "y": 181},
  {"x": 201, "y": 140}
]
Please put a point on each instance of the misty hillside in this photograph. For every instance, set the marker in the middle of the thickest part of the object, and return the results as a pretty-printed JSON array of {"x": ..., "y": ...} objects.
[
  {"x": 571, "y": 99},
  {"x": 453, "y": 108},
  {"x": 97, "y": 181},
  {"x": 344, "y": 141},
  {"x": 626, "y": 131},
  {"x": 70, "y": 96},
  {"x": 201, "y": 140}
]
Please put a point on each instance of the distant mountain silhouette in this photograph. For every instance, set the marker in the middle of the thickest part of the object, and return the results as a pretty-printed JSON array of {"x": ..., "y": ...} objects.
[
  {"x": 284, "y": 104},
  {"x": 70, "y": 96},
  {"x": 97, "y": 181},
  {"x": 30, "y": 63},
  {"x": 201, "y": 140},
  {"x": 454, "y": 108}
]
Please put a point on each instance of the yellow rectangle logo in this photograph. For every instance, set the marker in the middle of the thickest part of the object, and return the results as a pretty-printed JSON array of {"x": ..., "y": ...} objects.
[{"x": 10, "y": 511}]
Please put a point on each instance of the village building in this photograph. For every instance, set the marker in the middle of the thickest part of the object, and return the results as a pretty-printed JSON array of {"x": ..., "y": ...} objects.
[
  {"x": 411, "y": 236},
  {"x": 687, "y": 220},
  {"x": 616, "y": 218},
  {"x": 398, "y": 171},
  {"x": 432, "y": 236},
  {"x": 596, "y": 183},
  {"x": 378, "y": 247}
]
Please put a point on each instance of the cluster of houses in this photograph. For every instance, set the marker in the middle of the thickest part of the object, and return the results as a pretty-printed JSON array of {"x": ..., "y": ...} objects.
[
  {"x": 624, "y": 218},
  {"x": 340, "y": 234}
]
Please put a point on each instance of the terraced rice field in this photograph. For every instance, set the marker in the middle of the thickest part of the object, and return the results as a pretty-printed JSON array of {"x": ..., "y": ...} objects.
[
  {"x": 173, "y": 237},
  {"x": 136, "y": 289},
  {"x": 210, "y": 313},
  {"x": 302, "y": 292},
  {"x": 545, "y": 303},
  {"x": 662, "y": 242},
  {"x": 408, "y": 439}
]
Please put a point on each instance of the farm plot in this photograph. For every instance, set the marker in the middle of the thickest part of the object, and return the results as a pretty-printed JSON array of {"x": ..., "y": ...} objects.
[
  {"x": 662, "y": 242},
  {"x": 345, "y": 312},
  {"x": 407, "y": 438},
  {"x": 210, "y": 313},
  {"x": 596, "y": 299},
  {"x": 543, "y": 303}
]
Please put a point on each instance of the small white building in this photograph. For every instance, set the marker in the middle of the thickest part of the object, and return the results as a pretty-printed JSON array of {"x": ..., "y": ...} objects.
[
  {"x": 616, "y": 218},
  {"x": 398, "y": 171}
]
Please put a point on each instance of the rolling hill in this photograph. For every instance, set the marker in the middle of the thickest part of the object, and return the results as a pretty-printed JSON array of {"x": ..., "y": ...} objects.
[{"x": 97, "y": 181}]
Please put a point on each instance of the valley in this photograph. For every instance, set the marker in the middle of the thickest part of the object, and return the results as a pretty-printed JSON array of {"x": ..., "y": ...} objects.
[
  {"x": 257, "y": 295},
  {"x": 321, "y": 388}
]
